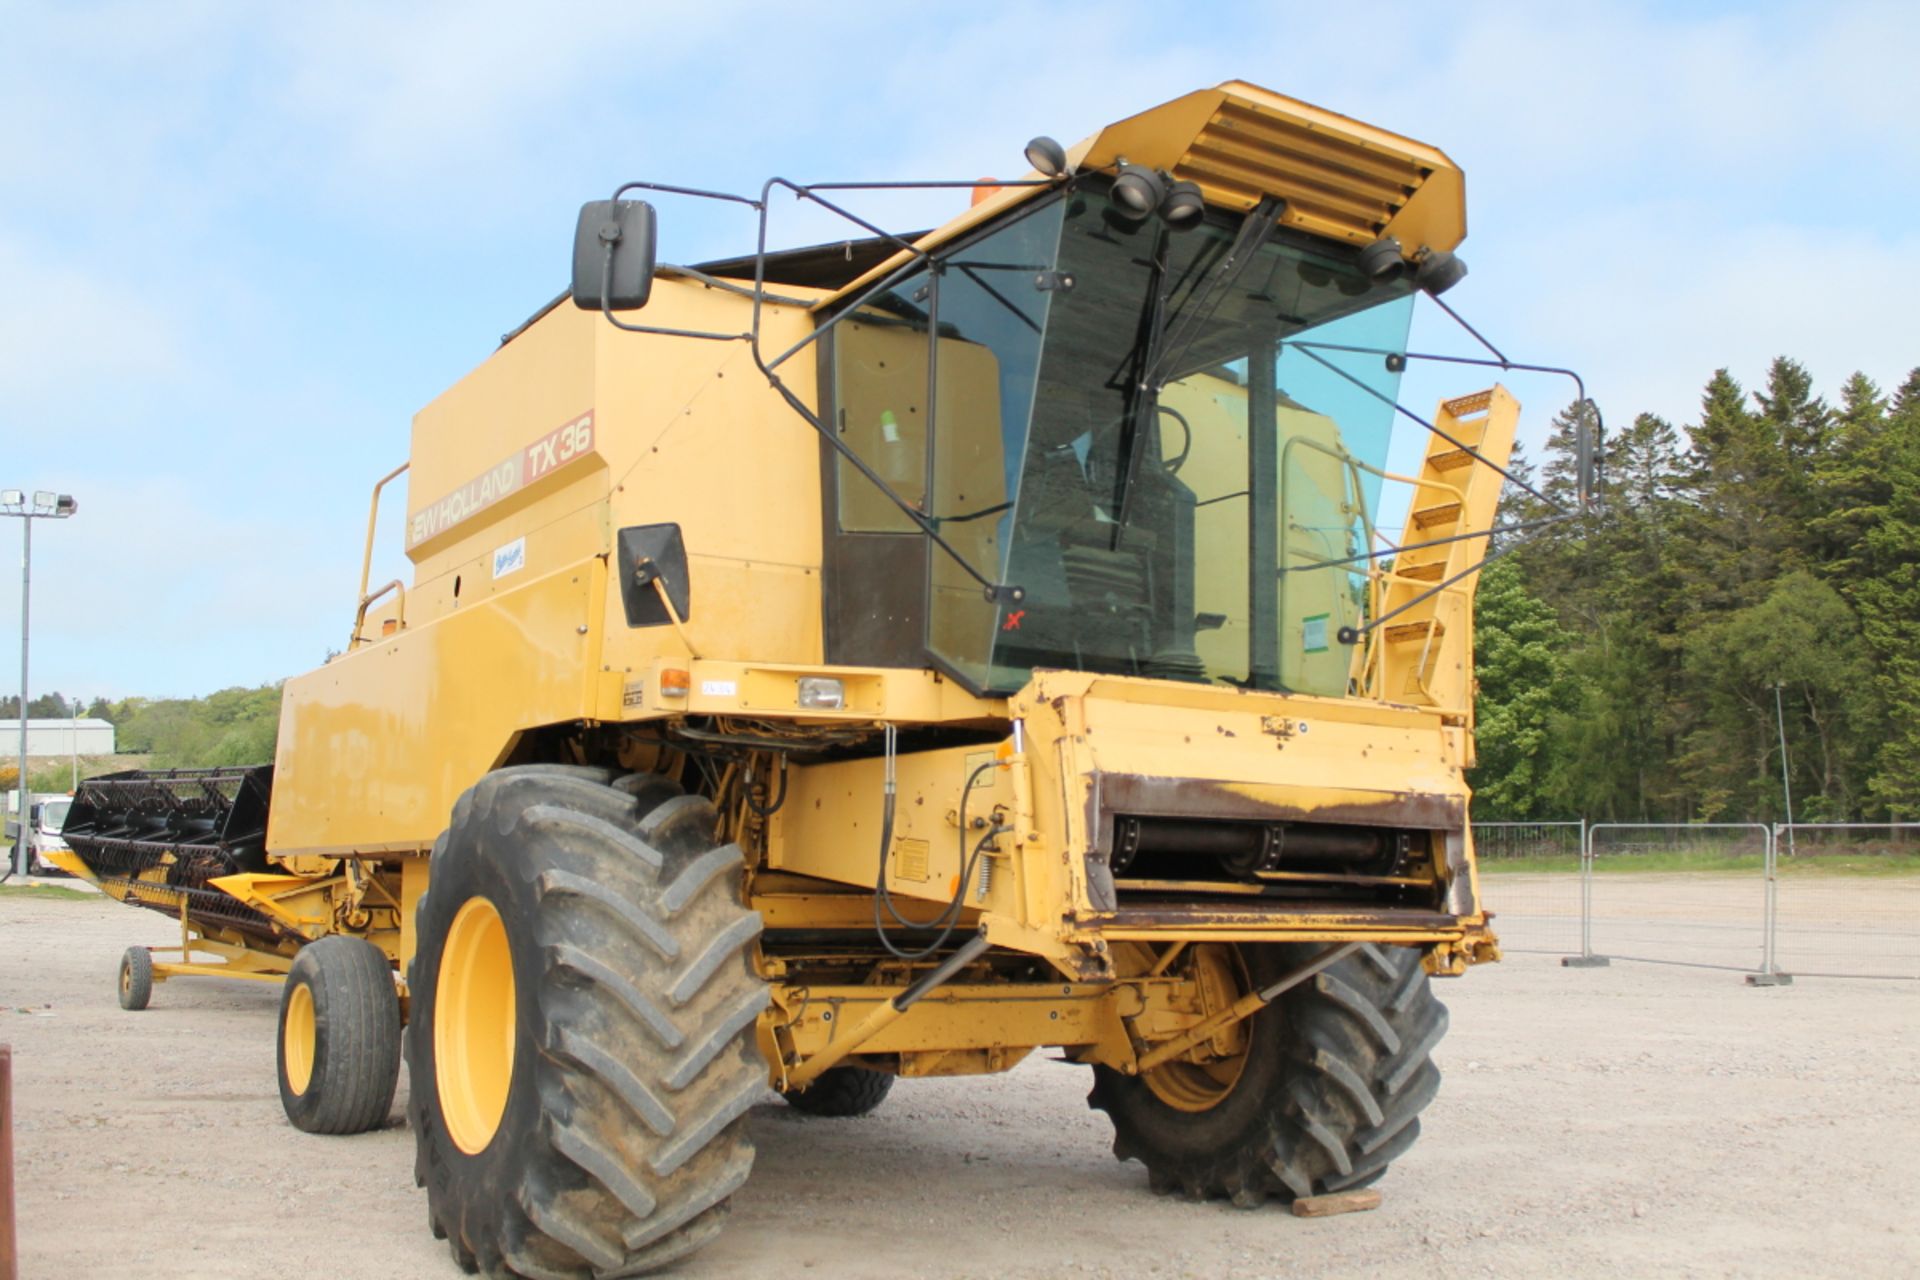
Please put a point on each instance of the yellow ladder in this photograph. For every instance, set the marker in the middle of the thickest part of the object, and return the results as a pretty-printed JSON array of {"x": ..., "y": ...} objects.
[{"x": 1424, "y": 653}]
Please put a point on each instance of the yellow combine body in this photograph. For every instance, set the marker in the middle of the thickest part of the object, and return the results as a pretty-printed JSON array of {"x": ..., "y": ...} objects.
[{"x": 891, "y": 659}]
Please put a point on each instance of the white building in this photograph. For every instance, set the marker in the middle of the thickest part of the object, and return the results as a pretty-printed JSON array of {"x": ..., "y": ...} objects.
[{"x": 57, "y": 738}]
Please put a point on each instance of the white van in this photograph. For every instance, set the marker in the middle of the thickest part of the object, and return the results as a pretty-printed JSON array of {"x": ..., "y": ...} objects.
[{"x": 49, "y": 818}]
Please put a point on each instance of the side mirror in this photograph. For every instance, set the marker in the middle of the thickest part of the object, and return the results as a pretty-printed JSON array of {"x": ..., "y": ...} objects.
[
  {"x": 1586, "y": 450},
  {"x": 613, "y": 248}
]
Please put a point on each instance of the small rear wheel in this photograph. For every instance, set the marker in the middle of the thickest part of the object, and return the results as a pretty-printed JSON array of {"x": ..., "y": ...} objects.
[
  {"x": 843, "y": 1091},
  {"x": 136, "y": 979},
  {"x": 1318, "y": 1092},
  {"x": 339, "y": 1058}
]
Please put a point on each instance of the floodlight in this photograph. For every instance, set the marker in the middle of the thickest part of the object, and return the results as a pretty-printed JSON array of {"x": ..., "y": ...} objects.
[
  {"x": 1184, "y": 205},
  {"x": 1047, "y": 156},
  {"x": 1137, "y": 192}
]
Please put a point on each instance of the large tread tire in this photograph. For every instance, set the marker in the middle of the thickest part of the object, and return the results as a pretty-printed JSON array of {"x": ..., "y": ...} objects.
[
  {"x": 843, "y": 1091},
  {"x": 354, "y": 1047},
  {"x": 136, "y": 979},
  {"x": 1337, "y": 1073},
  {"x": 635, "y": 1061}
]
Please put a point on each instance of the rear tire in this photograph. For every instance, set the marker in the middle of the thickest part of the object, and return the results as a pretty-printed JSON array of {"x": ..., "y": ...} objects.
[
  {"x": 339, "y": 1057},
  {"x": 136, "y": 979},
  {"x": 581, "y": 1073},
  {"x": 843, "y": 1091},
  {"x": 1335, "y": 1075}
]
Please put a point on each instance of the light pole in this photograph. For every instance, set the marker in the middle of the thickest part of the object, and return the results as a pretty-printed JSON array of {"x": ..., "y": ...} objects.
[
  {"x": 1786, "y": 783},
  {"x": 44, "y": 505}
]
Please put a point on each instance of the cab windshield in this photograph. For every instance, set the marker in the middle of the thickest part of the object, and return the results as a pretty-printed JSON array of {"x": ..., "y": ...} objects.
[{"x": 1119, "y": 424}]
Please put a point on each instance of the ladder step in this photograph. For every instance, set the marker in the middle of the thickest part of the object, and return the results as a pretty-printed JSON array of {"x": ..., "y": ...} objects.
[
  {"x": 1400, "y": 631},
  {"x": 1423, "y": 572},
  {"x": 1451, "y": 460},
  {"x": 1431, "y": 516},
  {"x": 1461, "y": 406}
]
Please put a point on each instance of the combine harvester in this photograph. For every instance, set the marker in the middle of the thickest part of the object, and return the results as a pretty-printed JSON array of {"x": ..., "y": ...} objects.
[{"x": 888, "y": 659}]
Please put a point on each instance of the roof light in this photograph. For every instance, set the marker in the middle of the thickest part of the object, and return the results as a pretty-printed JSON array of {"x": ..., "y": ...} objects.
[
  {"x": 1137, "y": 192},
  {"x": 1439, "y": 272},
  {"x": 1382, "y": 260},
  {"x": 1047, "y": 156},
  {"x": 1184, "y": 205}
]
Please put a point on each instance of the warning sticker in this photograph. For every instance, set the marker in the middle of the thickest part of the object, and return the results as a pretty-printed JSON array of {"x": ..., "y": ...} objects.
[
  {"x": 910, "y": 859},
  {"x": 1313, "y": 633}
]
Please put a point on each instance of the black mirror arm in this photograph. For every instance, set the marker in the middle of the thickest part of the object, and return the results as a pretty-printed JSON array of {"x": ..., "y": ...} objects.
[
  {"x": 1589, "y": 443},
  {"x": 1308, "y": 350}
]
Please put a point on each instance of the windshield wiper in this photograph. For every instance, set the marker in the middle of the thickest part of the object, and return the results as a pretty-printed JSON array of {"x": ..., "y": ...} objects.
[
  {"x": 1158, "y": 351},
  {"x": 1255, "y": 229},
  {"x": 1142, "y": 396}
]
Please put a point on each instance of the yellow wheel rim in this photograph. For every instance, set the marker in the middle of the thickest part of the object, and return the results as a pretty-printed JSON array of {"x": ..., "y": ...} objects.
[
  {"x": 1202, "y": 1079},
  {"x": 473, "y": 1025},
  {"x": 297, "y": 1037},
  {"x": 126, "y": 977}
]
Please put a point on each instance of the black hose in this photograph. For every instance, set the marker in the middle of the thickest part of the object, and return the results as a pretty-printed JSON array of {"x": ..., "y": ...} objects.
[
  {"x": 949, "y": 915},
  {"x": 780, "y": 798}
]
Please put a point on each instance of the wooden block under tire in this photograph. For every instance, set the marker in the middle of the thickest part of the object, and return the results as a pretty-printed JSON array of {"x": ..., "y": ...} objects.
[{"x": 1338, "y": 1202}]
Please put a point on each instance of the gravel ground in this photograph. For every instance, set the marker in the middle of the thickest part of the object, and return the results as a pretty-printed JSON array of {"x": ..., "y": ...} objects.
[{"x": 1633, "y": 1120}]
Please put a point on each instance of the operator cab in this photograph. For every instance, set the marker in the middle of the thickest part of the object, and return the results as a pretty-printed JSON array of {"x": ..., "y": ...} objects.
[{"x": 1114, "y": 415}]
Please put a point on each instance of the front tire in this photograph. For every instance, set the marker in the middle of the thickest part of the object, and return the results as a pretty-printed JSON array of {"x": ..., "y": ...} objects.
[
  {"x": 582, "y": 1053},
  {"x": 1325, "y": 1093},
  {"x": 339, "y": 1057},
  {"x": 843, "y": 1091}
]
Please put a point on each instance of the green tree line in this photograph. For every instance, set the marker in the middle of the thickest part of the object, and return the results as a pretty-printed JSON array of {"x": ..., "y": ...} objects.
[
  {"x": 1760, "y": 564},
  {"x": 233, "y": 726}
]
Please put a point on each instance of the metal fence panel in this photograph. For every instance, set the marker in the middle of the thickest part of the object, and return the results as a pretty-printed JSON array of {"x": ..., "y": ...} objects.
[
  {"x": 1848, "y": 899},
  {"x": 1688, "y": 894},
  {"x": 1530, "y": 881}
]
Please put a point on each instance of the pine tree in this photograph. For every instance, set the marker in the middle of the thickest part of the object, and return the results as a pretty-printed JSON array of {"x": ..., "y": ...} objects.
[
  {"x": 1523, "y": 690},
  {"x": 1886, "y": 591}
]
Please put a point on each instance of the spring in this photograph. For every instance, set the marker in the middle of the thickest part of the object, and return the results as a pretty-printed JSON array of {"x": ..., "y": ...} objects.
[{"x": 986, "y": 877}]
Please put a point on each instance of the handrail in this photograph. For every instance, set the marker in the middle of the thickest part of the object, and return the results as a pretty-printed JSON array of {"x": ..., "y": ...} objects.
[
  {"x": 360, "y": 618},
  {"x": 366, "y": 560}
]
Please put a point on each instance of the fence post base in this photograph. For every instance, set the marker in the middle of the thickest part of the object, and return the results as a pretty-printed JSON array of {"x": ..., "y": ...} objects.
[
  {"x": 1769, "y": 979},
  {"x": 1584, "y": 962}
]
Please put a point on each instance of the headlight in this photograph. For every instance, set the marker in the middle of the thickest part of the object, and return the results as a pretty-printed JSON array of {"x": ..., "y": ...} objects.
[{"x": 822, "y": 693}]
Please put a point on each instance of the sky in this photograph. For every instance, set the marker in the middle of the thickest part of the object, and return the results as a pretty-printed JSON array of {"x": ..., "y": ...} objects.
[{"x": 241, "y": 244}]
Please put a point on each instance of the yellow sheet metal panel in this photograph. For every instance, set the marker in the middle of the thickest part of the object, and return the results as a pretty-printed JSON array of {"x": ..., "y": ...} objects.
[
  {"x": 961, "y": 1016},
  {"x": 520, "y": 425},
  {"x": 719, "y": 687},
  {"x": 830, "y": 825},
  {"x": 376, "y": 745},
  {"x": 696, "y": 437},
  {"x": 1341, "y": 178}
]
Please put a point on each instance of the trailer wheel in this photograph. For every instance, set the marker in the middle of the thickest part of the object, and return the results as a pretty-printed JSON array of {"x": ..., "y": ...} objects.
[
  {"x": 136, "y": 979},
  {"x": 339, "y": 1058},
  {"x": 843, "y": 1091},
  {"x": 582, "y": 1055},
  {"x": 1319, "y": 1092}
]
